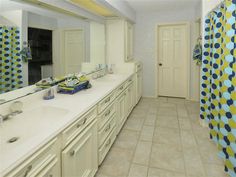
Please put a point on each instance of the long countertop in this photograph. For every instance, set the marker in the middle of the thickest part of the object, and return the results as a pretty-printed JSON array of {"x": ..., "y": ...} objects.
[{"x": 34, "y": 131}]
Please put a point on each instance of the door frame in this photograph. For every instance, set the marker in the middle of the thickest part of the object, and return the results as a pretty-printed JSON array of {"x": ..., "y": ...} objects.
[{"x": 187, "y": 24}]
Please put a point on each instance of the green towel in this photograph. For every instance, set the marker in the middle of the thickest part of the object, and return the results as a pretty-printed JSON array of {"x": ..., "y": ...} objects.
[{"x": 197, "y": 53}]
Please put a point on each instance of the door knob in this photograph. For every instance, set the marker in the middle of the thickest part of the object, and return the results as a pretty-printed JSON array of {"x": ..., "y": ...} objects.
[{"x": 160, "y": 64}]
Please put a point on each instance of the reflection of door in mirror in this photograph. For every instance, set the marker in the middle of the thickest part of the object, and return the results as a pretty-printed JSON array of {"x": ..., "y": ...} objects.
[
  {"x": 40, "y": 41},
  {"x": 74, "y": 50}
]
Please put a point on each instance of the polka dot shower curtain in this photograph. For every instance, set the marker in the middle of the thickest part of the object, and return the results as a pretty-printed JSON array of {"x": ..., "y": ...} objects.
[
  {"x": 10, "y": 60},
  {"x": 218, "y": 81}
]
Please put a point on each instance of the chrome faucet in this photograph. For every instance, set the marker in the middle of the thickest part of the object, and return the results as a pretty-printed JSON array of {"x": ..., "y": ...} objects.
[{"x": 16, "y": 108}]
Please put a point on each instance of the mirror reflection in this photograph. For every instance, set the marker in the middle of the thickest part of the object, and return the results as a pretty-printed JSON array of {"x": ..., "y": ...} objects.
[{"x": 40, "y": 43}]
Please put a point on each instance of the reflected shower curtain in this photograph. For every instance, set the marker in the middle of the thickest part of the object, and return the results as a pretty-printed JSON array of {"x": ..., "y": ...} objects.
[
  {"x": 218, "y": 81},
  {"x": 10, "y": 60}
]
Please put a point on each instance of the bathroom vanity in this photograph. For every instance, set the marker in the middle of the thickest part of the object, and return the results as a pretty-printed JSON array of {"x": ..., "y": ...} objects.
[{"x": 71, "y": 134}]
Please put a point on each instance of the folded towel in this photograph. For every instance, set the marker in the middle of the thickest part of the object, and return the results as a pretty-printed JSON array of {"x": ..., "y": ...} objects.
[{"x": 197, "y": 53}]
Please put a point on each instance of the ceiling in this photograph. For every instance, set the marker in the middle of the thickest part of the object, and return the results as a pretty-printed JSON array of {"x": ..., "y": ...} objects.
[{"x": 162, "y": 5}]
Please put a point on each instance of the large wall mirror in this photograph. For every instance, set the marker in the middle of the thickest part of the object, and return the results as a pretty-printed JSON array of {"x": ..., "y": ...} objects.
[{"x": 37, "y": 43}]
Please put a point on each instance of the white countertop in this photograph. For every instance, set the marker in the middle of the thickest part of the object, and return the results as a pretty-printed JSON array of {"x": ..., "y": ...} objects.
[{"x": 35, "y": 132}]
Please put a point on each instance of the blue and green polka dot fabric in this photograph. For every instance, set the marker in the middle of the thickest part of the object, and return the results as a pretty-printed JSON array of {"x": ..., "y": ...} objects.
[
  {"x": 218, "y": 81},
  {"x": 10, "y": 59}
]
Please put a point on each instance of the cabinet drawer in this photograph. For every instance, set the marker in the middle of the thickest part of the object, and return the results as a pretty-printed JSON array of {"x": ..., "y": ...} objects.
[
  {"x": 120, "y": 89},
  {"x": 106, "y": 130},
  {"x": 106, "y": 115},
  {"x": 129, "y": 81},
  {"x": 106, "y": 146},
  {"x": 105, "y": 102},
  {"x": 72, "y": 131},
  {"x": 36, "y": 164}
]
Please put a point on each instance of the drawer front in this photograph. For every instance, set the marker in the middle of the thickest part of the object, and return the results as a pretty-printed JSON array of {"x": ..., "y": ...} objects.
[
  {"x": 72, "y": 131},
  {"x": 36, "y": 164},
  {"x": 120, "y": 89},
  {"x": 129, "y": 81},
  {"x": 106, "y": 146},
  {"x": 106, "y": 130},
  {"x": 106, "y": 115},
  {"x": 105, "y": 102}
]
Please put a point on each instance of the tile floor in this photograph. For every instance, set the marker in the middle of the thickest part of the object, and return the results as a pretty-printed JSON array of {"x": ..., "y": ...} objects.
[{"x": 162, "y": 138}]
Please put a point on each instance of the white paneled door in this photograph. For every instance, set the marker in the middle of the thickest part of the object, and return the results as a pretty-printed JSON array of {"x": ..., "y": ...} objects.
[
  {"x": 172, "y": 60},
  {"x": 74, "y": 50}
]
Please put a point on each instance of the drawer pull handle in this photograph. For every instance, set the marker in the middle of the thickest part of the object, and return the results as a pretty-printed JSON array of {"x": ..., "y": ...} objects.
[
  {"x": 130, "y": 80},
  {"x": 107, "y": 100},
  {"x": 107, "y": 113},
  {"x": 72, "y": 153},
  {"x": 108, "y": 143},
  {"x": 28, "y": 170},
  {"x": 121, "y": 88},
  {"x": 108, "y": 128},
  {"x": 78, "y": 125}
]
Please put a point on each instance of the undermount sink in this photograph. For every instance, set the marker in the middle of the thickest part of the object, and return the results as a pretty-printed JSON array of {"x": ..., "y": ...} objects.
[{"x": 22, "y": 126}]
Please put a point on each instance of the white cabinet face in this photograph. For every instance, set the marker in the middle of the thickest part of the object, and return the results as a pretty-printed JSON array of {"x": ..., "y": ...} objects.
[
  {"x": 120, "y": 111},
  {"x": 79, "y": 159}
]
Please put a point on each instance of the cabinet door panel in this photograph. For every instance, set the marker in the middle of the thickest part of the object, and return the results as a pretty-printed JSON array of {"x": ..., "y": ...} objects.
[{"x": 79, "y": 159}]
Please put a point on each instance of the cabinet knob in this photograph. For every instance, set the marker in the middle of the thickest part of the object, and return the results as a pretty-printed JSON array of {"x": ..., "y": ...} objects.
[
  {"x": 27, "y": 170},
  {"x": 160, "y": 64},
  {"x": 108, "y": 113},
  {"x": 108, "y": 128},
  {"x": 72, "y": 153}
]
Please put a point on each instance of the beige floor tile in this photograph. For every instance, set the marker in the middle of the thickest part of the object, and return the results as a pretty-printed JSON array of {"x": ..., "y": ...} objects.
[
  {"x": 168, "y": 105},
  {"x": 193, "y": 163},
  {"x": 154, "y": 172},
  {"x": 147, "y": 133},
  {"x": 182, "y": 112},
  {"x": 150, "y": 120},
  {"x": 138, "y": 171},
  {"x": 117, "y": 163},
  {"x": 167, "y": 136},
  {"x": 166, "y": 111},
  {"x": 180, "y": 147},
  {"x": 127, "y": 139},
  {"x": 162, "y": 99},
  {"x": 188, "y": 139},
  {"x": 176, "y": 100},
  {"x": 142, "y": 153},
  {"x": 215, "y": 170},
  {"x": 134, "y": 124},
  {"x": 184, "y": 124},
  {"x": 167, "y": 157},
  {"x": 167, "y": 121},
  {"x": 152, "y": 110},
  {"x": 208, "y": 151}
]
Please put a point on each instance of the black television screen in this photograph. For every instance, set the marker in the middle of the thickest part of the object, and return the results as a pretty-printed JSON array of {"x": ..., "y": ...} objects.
[{"x": 40, "y": 41}]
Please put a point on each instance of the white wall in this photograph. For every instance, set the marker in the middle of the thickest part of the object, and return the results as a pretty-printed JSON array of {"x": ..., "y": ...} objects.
[
  {"x": 208, "y": 5},
  {"x": 43, "y": 22},
  {"x": 145, "y": 45}
]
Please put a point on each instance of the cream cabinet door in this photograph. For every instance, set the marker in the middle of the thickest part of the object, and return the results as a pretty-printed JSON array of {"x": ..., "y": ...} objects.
[
  {"x": 79, "y": 159},
  {"x": 128, "y": 100},
  {"x": 129, "y": 42},
  {"x": 120, "y": 111},
  {"x": 139, "y": 80}
]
